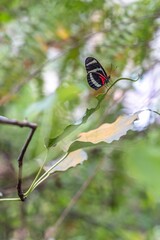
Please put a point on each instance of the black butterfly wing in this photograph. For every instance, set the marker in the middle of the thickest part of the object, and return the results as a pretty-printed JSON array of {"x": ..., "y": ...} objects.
[
  {"x": 92, "y": 65},
  {"x": 94, "y": 80}
]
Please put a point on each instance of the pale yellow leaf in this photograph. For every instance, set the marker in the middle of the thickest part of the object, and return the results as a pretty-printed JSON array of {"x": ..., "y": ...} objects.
[
  {"x": 109, "y": 132},
  {"x": 73, "y": 159}
]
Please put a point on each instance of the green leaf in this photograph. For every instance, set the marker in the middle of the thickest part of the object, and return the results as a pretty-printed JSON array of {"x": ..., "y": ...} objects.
[{"x": 70, "y": 128}]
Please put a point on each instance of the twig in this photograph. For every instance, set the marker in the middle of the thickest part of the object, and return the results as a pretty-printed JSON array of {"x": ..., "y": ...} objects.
[
  {"x": 32, "y": 126},
  {"x": 46, "y": 174},
  {"x": 4, "y": 120},
  {"x": 153, "y": 111}
]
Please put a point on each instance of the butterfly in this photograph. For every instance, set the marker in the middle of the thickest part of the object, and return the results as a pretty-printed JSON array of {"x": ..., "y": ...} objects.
[{"x": 96, "y": 75}]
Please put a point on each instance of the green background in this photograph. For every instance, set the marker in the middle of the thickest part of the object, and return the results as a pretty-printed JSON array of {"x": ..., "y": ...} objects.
[{"x": 122, "y": 198}]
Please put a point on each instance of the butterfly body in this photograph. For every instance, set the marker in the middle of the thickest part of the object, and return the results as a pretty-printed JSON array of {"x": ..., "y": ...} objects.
[{"x": 96, "y": 75}]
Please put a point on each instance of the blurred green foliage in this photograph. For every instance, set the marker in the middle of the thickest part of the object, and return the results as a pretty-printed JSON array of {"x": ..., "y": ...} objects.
[{"x": 122, "y": 200}]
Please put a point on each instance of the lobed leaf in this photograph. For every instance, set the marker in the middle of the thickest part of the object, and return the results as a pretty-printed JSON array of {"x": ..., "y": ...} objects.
[
  {"x": 72, "y": 159},
  {"x": 70, "y": 128},
  {"x": 108, "y": 132}
]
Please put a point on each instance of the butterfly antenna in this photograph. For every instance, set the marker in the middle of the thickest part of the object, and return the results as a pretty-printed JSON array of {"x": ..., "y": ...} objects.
[{"x": 112, "y": 68}]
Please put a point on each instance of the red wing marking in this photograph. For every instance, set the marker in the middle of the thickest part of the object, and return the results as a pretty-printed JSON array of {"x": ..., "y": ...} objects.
[{"x": 103, "y": 78}]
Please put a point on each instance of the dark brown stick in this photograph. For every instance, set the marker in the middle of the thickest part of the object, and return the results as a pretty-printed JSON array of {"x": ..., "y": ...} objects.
[{"x": 33, "y": 127}]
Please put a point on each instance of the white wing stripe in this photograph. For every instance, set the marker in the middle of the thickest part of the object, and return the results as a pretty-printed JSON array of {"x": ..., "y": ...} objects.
[
  {"x": 96, "y": 69},
  {"x": 94, "y": 82},
  {"x": 92, "y": 62}
]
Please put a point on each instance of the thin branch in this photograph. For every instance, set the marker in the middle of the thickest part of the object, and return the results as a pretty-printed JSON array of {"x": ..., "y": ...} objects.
[
  {"x": 4, "y": 120},
  {"x": 32, "y": 126},
  {"x": 35, "y": 182},
  {"x": 20, "y": 163},
  {"x": 46, "y": 174},
  {"x": 148, "y": 109}
]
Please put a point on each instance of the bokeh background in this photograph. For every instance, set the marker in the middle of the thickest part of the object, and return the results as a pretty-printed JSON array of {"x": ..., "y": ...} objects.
[{"x": 115, "y": 194}]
